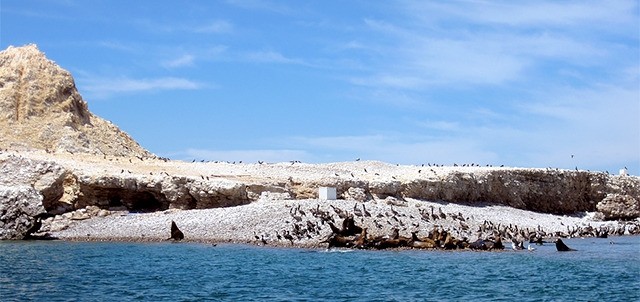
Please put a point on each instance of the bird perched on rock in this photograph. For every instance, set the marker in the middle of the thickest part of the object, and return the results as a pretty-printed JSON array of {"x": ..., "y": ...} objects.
[{"x": 176, "y": 234}]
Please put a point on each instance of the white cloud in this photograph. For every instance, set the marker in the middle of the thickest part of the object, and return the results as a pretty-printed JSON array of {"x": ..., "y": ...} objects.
[
  {"x": 120, "y": 46},
  {"x": 182, "y": 61},
  {"x": 216, "y": 26},
  {"x": 271, "y": 57},
  {"x": 105, "y": 87},
  {"x": 535, "y": 13},
  {"x": 263, "y": 5},
  {"x": 441, "y": 45},
  {"x": 211, "y": 27}
]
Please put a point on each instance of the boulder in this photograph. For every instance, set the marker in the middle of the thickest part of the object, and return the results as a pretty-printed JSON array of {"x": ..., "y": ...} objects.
[
  {"x": 18, "y": 207},
  {"x": 355, "y": 193},
  {"x": 619, "y": 207},
  {"x": 29, "y": 187}
]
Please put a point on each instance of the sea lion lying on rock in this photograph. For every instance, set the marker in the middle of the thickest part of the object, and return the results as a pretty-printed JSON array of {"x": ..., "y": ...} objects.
[
  {"x": 336, "y": 240},
  {"x": 485, "y": 245},
  {"x": 421, "y": 243}
]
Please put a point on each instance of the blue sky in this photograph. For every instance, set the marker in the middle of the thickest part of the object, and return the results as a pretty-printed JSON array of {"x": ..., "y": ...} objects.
[{"x": 524, "y": 84}]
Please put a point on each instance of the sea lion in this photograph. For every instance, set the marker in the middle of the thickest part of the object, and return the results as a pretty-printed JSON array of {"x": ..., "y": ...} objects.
[
  {"x": 479, "y": 244},
  {"x": 561, "y": 247},
  {"x": 336, "y": 240},
  {"x": 421, "y": 243},
  {"x": 176, "y": 234},
  {"x": 35, "y": 228},
  {"x": 448, "y": 243},
  {"x": 349, "y": 228},
  {"x": 361, "y": 241},
  {"x": 497, "y": 245},
  {"x": 389, "y": 243}
]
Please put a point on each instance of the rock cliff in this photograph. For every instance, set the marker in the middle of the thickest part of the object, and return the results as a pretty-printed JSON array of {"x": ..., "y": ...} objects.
[
  {"x": 36, "y": 182},
  {"x": 40, "y": 108},
  {"x": 27, "y": 188}
]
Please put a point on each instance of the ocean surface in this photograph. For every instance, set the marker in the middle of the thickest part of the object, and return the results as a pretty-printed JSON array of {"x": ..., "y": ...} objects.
[{"x": 601, "y": 270}]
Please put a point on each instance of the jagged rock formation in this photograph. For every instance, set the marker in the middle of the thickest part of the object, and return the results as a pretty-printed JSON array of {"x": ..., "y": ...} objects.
[
  {"x": 18, "y": 207},
  {"x": 40, "y": 108},
  {"x": 60, "y": 185},
  {"x": 27, "y": 187}
]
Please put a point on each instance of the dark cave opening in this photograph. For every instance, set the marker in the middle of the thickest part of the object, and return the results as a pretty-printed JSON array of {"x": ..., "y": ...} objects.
[{"x": 140, "y": 202}]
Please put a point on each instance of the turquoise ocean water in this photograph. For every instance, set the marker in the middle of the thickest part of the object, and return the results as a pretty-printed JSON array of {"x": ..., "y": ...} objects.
[{"x": 95, "y": 271}]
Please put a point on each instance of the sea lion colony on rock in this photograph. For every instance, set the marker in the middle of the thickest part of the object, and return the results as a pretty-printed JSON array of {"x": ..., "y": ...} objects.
[
  {"x": 314, "y": 225},
  {"x": 308, "y": 224},
  {"x": 352, "y": 236}
]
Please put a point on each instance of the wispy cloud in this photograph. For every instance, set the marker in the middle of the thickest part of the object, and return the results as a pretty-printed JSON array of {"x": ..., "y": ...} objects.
[
  {"x": 271, "y": 57},
  {"x": 269, "y": 6},
  {"x": 117, "y": 45},
  {"x": 211, "y": 27},
  {"x": 549, "y": 13},
  {"x": 216, "y": 26},
  {"x": 492, "y": 43},
  {"x": 182, "y": 61},
  {"x": 105, "y": 87}
]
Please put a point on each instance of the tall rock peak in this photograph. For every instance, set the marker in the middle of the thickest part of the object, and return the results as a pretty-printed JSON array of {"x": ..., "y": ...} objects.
[
  {"x": 40, "y": 108},
  {"x": 33, "y": 87}
]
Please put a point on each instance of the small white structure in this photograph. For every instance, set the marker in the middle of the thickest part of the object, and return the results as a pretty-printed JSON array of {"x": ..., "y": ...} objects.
[
  {"x": 623, "y": 172},
  {"x": 327, "y": 193}
]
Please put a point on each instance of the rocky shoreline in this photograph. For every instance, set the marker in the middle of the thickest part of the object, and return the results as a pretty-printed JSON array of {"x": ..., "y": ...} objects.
[
  {"x": 88, "y": 197},
  {"x": 268, "y": 222}
]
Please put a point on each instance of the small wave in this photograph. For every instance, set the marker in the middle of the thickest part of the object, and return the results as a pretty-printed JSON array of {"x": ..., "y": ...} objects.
[{"x": 337, "y": 251}]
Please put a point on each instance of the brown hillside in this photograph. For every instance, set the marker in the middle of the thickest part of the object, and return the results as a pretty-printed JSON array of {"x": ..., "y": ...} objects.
[{"x": 40, "y": 108}]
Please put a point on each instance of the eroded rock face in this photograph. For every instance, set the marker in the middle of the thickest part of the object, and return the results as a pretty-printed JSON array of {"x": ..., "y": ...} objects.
[
  {"x": 139, "y": 193},
  {"x": 558, "y": 192},
  {"x": 18, "y": 206},
  {"x": 619, "y": 207},
  {"x": 43, "y": 176},
  {"x": 27, "y": 188},
  {"x": 40, "y": 108}
]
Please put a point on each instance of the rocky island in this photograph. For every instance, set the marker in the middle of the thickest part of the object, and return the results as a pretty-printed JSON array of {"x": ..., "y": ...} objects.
[{"x": 68, "y": 174}]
